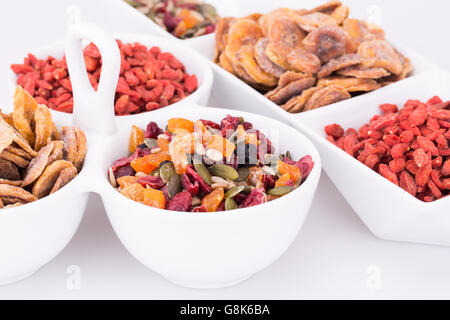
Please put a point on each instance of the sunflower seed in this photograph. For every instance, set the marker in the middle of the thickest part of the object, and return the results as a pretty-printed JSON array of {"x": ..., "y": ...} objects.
[
  {"x": 214, "y": 155},
  {"x": 155, "y": 150},
  {"x": 269, "y": 170},
  {"x": 112, "y": 177}
]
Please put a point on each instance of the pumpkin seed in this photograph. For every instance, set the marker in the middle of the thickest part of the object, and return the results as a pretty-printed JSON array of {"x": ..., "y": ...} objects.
[
  {"x": 174, "y": 185},
  {"x": 224, "y": 171},
  {"x": 167, "y": 171},
  {"x": 280, "y": 191},
  {"x": 243, "y": 173},
  {"x": 150, "y": 143},
  {"x": 155, "y": 172},
  {"x": 203, "y": 172},
  {"x": 230, "y": 204},
  {"x": 234, "y": 191}
]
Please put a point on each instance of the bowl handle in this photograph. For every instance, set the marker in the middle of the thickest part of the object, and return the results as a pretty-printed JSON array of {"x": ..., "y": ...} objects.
[{"x": 93, "y": 111}]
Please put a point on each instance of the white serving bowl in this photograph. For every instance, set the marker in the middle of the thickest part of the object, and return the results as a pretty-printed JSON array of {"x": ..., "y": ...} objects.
[
  {"x": 194, "y": 63},
  {"x": 209, "y": 250},
  {"x": 387, "y": 210},
  {"x": 33, "y": 234}
]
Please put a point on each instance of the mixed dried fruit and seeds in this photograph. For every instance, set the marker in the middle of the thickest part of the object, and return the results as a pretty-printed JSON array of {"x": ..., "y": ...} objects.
[
  {"x": 149, "y": 79},
  {"x": 307, "y": 59},
  {"x": 182, "y": 18},
  {"x": 409, "y": 147},
  {"x": 35, "y": 158},
  {"x": 203, "y": 166}
]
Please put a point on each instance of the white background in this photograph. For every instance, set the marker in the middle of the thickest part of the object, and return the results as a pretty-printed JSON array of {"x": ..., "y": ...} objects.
[{"x": 334, "y": 254}]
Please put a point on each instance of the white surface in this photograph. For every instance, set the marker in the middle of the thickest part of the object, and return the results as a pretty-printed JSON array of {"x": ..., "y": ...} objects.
[{"x": 334, "y": 256}]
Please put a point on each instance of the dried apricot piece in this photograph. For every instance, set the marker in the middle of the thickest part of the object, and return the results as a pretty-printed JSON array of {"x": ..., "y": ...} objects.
[
  {"x": 212, "y": 201},
  {"x": 7, "y": 191},
  {"x": 180, "y": 125},
  {"x": 150, "y": 162},
  {"x": 44, "y": 126},
  {"x": 283, "y": 94},
  {"x": 264, "y": 62},
  {"x": 126, "y": 181},
  {"x": 17, "y": 160},
  {"x": 379, "y": 53},
  {"x": 187, "y": 141},
  {"x": 362, "y": 72},
  {"x": 350, "y": 84},
  {"x": 65, "y": 176},
  {"x": 284, "y": 180},
  {"x": 37, "y": 165},
  {"x": 360, "y": 31},
  {"x": 284, "y": 36},
  {"x": 246, "y": 58},
  {"x": 154, "y": 198},
  {"x": 326, "y": 42},
  {"x": 326, "y": 96},
  {"x": 311, "y": 21},
  {"x": 163, "y": 144},
  {"x": 297, "y": 103},
  {"x": 179, "y": 158},
  {"x": 222, "y": 145},
  {"x": 136, "y": 138},
  {"x": 293, "y": 171},
  {"x": 134, "y": 192},
  {"x": 46, "y": 181},
  {"x": 344, "y": 61},
  {"x": 23, "y": 114},
  {"x": 303, "y": 61}
]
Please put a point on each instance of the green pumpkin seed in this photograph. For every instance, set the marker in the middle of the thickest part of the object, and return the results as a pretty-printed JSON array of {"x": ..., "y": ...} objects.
[
  {"x": 174, "y": 185},
  {"x": 230, "y": 204},
  {"x": 155, "y": 172},
  {"x": 243, "y": 173},
  {"x": 224, "y": 171},
  {"x": 203, "y": 172},
  {"x": 150, "y": 143},
  {"x": 280, "y": 191},
  {"x": 234, "y": 191},
  {"x": 167, "y": 171}
]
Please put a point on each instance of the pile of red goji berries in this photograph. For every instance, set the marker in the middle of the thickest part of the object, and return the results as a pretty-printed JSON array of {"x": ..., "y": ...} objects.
[
  {"x": 409, "y": 147},
  {"x": 149, "y": 79}
]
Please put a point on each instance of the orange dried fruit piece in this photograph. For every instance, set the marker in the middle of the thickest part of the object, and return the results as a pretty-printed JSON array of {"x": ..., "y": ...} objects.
[
  {"x": 379, "y": 53},
  {"x": 297, "y": 103},
  {"x": 326, "y": 42},
  {"x": 314, "y": 20},
  {"x": 264, "y": 62},
  {"x": 23, "y": 114},
  {"x": 7, "y": 117},
  {"x": 186, "y": 140},
  {"x": 126, "y": 181},
  {"x": 213, "y": 200},
  {"x": 37, "y": 165},
  {"x": 222, "y": 145},
  {"x": 189, "y": 18},
  {"x": 303, "y": 61},
  {"x": 291, "y": 84},
  {"x": 350, "y": 84},
  {"x": 163, "y": 144},
  {"x": 136, "y": 138},
  {"x": 202, "y": 132},
  {"x": 150, "y": 162},
  {"x": 326, "y": 96},
  {"x": 293, "y": 171},
  {"x": 327, "y": 7},
  {"x": 134, "y": 192},
  {"x": 360, "y": 31},
  {"x": 179, "y": 158},
  {"x": 340, "y": 14},
  {"x": 222, "y": 30},
  {"x": 65, "y": 176},
  {"x": 246, "y": 58},
  {"x": 225, "y": 63},
  {"x": 180, "y": 125},
  {"x": 154, "y": 198},
  {"x": 284, "y": 180},
  {"x": 44, "y": 126},
  {"x": 344, "y": 61},
  {"x": 7, "y": 134},
  {"x": 47, "y": 180},
  {"x": 362, "y": 72}
]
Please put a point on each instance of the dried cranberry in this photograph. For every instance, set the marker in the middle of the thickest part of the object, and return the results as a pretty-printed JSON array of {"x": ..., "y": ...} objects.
[
  {"x": 229, "y": 124},
  {"x": 171, "y": 21},
  {"x": 151, "y": 181},
  {"x": 181, "y": 202},
  {"x": 199, "y": 209},
  {"x": 305, "y": 164},
  {"x": 194, "y": 176},
  {"x": 124, "y": 171},
  {"x": 190, "y": 185},
  {"x": 211, "y": 124},
  {"x": 269, "y": 181},
  {"x": 153, "y": 131},
  {"x": 256, "y": 197}
]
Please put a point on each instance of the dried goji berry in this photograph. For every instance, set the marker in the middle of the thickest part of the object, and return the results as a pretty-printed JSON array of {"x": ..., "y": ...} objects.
[
  {"x": 407, "y": 183},
  {"x": 334, "y": 130},
  {"x": 386, "y": 172}
]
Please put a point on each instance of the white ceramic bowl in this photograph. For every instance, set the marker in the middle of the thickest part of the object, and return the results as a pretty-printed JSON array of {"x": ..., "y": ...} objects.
[
  {"x": 209, "y": 250},
  {"x": 194, "y": 63},
  {"x": 33, "y": 234},
  {"x": 387, "y": 210}
]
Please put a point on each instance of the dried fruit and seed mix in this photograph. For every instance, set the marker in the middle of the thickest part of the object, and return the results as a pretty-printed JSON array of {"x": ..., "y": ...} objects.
[
  {"x": 182, "y": 18},
  {"x": 203, "y": 166},
  {"x": 35, "y": 158},
  {"x": 306, "y": 59},
  {"x": 409, "y": 147},
  {"x": 149, "y": 79}
]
